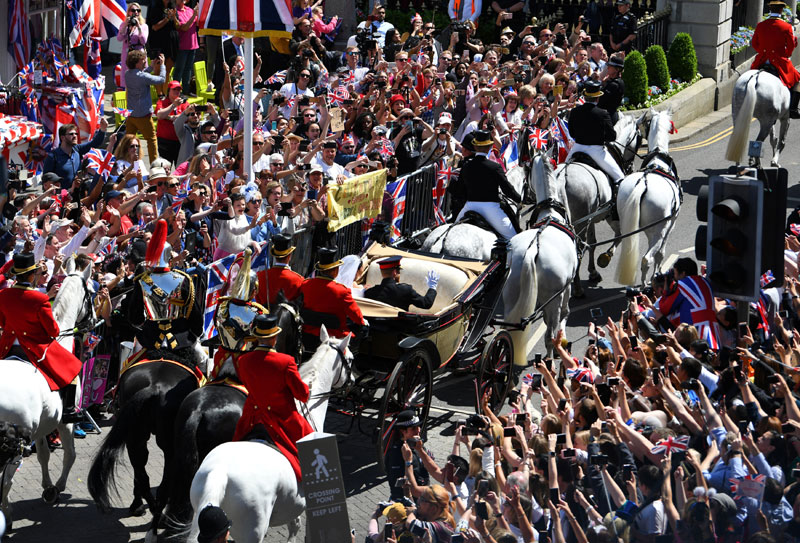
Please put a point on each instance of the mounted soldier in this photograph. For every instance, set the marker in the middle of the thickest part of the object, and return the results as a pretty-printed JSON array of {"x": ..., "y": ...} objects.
[
  {"x": 235, "y": 316},
  {"x": 591, "y": 127},
  {"x": 327, "y": 302},
  {"x": 774, "y": 41},
  {"x": 480, "y": 184},
  {"x": 166, "y": 308},
  {"x": 279, "y": 277},
  {"x": 273, "y": 383},
  {"x": 30, "y": 332}
]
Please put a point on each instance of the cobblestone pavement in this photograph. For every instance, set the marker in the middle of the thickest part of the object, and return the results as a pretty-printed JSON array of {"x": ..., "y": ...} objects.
[{"x": 75, "y": 518}]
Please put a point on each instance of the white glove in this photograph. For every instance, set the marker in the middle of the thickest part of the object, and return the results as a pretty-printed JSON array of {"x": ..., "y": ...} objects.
[{"x": 432, "y": 279}]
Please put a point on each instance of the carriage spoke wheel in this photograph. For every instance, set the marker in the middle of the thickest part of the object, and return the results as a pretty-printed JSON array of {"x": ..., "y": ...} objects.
[
  {"x": 496, "y": 368},
  {"x": 409, "y": 387}
]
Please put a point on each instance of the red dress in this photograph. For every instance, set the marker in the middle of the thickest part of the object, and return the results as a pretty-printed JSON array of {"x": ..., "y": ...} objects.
[
  {"x": 774, "y": 41},
  {"x": 273, "y": 383},
  {"x": 277, "y": 278},
  {"x": 324, "y": 295},
  {"x": 25, "y": 316}
]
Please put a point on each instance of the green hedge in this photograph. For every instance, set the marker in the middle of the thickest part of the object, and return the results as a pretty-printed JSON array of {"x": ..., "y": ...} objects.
[
  {"x": 634, "y": 74},
  {"x": 657, "y": 71},
  {"x": 681, "y": 58}
]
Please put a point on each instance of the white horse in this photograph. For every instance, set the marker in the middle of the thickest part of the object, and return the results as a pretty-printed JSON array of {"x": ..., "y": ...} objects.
[
  {"x": 589, "y": 190},
  {"x": 467, "y": 240},
  {"x": 543, "y": 262},
  {"x": 651, "y": 196},
  {"x": 27, "y": 401},
  {"x": 255, "y": 484},
  {"x": 761, "y": 94}
]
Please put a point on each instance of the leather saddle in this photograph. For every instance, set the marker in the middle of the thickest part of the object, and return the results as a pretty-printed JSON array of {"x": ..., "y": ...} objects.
[{"x": 770, "y": 69}]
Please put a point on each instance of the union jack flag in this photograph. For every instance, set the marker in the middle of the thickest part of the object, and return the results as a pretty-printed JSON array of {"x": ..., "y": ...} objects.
[
  {"x": 387, "y": 148},
  {"x": 122, "y": 112},
  {"x": 109, "y": 247},
  {"x": 767, "y": 278},
  {"x": 177, "y": 203},
  {"x": 398, "y": 192},
  {"x": 348, "y": 79},
  {"x": 46, "y": 142},
  {"x": 91, "y": 341},
  {"x": 794, "y": 229},
  {"x": 527, "y": 379},
  {"x": 98, "y": 18},
  {"x": 692, "y": 302},
  {"x": 91, "y": 60},
  {"x": 671, "y": 445},
  {"x": 538, "y": 139},
  {"x": 735, "y": 482},
  {"x": 277, "y": 77},
  {"x": 101, "y": 162},
  {"x": 444, "y": 173},
  {"x": 581, "y": 375},
  {"x": 560, "y": 134},
  {"x": 338, "y": 96},
  {"x": 510, "y": 153},
  {"x": 218, "y": 273},
  {"x": 18, "y": 35}
]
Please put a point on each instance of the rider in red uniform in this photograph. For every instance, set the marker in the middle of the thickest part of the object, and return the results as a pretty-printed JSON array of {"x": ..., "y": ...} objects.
[
  {"x": 273, "y": 383},
  {"x": 324, "y": 295},
  {"x": 31, "y": 331},
  {"x": 280, "y": 276},
  {"x": 774, "y": 41}
]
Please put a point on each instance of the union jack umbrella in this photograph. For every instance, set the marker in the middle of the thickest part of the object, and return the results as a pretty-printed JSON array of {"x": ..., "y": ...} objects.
[
  {"x": 671, "y": 445},
  {"x": 101, "y": 162}
]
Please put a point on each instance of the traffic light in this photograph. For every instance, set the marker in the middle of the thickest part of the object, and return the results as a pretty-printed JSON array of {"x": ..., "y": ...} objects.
[{"x": 734, "y": 234}]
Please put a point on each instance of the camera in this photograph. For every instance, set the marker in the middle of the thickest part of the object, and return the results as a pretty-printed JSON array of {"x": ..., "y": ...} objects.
[
  {"x": 476, "y": 421},
  {"x": 691, "y": 384},
  {"x": 631, "y": 293},
  {"x": 598, "y": 460},
  {"x": 233, "y": 115},
  {"x": 442, "y": 131},
  {"x": 613, "y": 381},
  {"x": 308, "y": 53}
]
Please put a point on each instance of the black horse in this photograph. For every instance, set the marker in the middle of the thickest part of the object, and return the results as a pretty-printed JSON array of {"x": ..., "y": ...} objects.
[
  {"x": 208, "y": 417},
  {"x": 148, "y": 397}
]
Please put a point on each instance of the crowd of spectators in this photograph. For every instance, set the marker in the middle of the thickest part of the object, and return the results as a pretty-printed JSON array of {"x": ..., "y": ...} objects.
[{"x": 649, "y": 435}]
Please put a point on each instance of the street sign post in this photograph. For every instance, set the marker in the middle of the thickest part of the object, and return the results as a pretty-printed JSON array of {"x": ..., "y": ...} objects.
[{"x": 326, "y": 501}]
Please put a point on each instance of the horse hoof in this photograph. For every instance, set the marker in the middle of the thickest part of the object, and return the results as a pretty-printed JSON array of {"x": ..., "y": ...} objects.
[
  {"x": 595, "y": 277},
  {"x": 50, "y": 495},
  {"x": 137, "y": 510},
  {"x": 603, "y": 260}
]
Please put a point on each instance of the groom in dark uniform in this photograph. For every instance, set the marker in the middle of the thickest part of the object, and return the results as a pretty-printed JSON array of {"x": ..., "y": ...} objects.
[{"x": 391, "y": 291}]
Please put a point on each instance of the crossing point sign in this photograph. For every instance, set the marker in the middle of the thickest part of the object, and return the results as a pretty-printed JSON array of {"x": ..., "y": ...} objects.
[{"x": 326, "y": 501}]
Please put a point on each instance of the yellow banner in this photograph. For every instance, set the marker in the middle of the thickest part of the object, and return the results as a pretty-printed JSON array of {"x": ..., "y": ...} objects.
[{"x": 358, "y": 198}]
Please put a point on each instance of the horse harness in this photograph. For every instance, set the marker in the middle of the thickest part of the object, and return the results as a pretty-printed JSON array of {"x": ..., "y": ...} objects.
[
  {"x": 193, "y": 371},
  {"x": 670, "y": 172},
  {"x": 298, "y": 321},
  {"x": 550, "y": 220}
]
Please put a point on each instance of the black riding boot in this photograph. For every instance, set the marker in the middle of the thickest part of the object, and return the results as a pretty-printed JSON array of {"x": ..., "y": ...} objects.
[
  {"x": 794, "y": 101},
  {"x": 70, "y": 412}
]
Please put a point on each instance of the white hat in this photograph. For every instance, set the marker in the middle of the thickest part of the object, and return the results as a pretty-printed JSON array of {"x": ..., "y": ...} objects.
[{"x": 445, "y": 118}]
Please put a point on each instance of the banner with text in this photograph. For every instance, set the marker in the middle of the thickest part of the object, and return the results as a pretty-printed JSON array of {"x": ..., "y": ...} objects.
[{"x": 358, "y": 198}]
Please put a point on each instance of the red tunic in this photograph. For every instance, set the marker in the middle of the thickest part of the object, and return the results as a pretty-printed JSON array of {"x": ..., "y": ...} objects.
[
  {"x": 774, "y": 41},
  {"x": 327, "y": 296},
  {"x": 278, "y": 278},
  {"x": 273, "y": 383},
  {"x": 25, "y": 316}
]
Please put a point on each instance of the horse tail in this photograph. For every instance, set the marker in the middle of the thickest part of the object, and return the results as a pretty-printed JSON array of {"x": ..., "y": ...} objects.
[
  {"x": 741, "y": 123},
  {"x": 527, "y": 285},
  {"x": 102, "y": 473},
  {"x": 629, "y": 221},
  {"x": 213, "y": 485}
]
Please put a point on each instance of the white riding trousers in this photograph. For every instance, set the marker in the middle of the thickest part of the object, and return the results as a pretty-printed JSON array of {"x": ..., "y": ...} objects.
[
  {"x": 603, "y": 158},
  {"x": 494, "y": 215}
]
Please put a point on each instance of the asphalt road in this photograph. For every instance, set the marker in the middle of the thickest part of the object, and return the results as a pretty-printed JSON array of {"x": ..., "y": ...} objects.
[{"x": 74, "y": 518}]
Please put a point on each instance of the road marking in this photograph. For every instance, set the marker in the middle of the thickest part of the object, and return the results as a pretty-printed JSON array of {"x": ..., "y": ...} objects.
[
  {"x": 537, "y": 335},
  {"x": 713, "y": 139},
  {"x": 668, "y": 262},
  {"x": 687, "y": 250}
]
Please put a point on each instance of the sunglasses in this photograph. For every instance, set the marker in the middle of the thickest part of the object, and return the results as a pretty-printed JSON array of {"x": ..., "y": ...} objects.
[
  {"x": 204, "y": 194},
  {"x": 173, "y": 185},
  {"x": 254, "y": 201},
  {"x": 72, "y": 134},
  {"x": 258, "y": 143},
  {"x": 133, "y": 147},
  {"x": 305, "y": 75},
  {"x": 309, "y": 114},
  {"x": 136, "y": 11},
  {"x": 277, "y": 164},
  {"x": 209, "y": 131}
]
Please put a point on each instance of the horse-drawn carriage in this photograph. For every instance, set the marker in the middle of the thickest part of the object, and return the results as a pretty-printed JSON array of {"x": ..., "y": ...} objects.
[{"x": 404, "y": 350}]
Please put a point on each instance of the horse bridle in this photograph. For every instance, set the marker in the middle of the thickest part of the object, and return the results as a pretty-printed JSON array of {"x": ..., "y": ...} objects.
[
  {"x": 298, "y": 321},
  {"x": 340, "y": 354},
  {"x": 555, "y": 205}
]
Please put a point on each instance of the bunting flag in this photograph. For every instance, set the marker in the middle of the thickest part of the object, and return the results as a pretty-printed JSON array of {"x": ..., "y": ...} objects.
[
  {"x": 18, "y": 35},
  {"x": 247, "y": 18},
  {"x": 671, "y": 445},
  {"x": 101, "y": 162}
]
